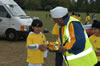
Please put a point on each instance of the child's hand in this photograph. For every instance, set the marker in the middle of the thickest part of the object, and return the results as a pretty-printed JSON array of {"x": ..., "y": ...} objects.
[
  {"x": 42, "y": 47},
  {"x": 45, "y": 59},
  {"x": 98, "y": 53}
]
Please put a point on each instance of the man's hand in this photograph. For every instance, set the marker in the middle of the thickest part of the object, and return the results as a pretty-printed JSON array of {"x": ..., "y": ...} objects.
[
  {"x": 62, "y": 49},
  {"x": 43, "y": 47}
]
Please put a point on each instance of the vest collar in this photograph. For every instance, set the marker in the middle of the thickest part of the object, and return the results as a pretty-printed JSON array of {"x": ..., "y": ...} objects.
[{"x": 66, "y": 20}]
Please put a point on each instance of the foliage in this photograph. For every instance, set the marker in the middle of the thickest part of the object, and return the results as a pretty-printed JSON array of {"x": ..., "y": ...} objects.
[
  {"x": 20, "y": 2},
  {"x": 48, "y": 4},
  {"x": 65, "y": 3},
  {"x": 32, "y": 4},
  {"x": 79, "y": 6}
]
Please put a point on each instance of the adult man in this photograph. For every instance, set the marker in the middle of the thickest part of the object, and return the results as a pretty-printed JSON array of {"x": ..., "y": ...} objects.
[{"x": 75, "y": 45}]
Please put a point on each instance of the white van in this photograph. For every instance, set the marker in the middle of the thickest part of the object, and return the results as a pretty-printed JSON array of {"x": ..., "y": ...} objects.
[{"x": 14, "y": 23}]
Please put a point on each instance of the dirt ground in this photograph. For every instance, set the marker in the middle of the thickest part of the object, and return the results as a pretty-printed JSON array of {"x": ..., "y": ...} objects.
[{"x": 13, "y": 53}]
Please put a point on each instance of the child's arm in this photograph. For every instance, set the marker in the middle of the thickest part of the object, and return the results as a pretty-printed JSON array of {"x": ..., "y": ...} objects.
[
  {"x": 98, "y": 53},
  {"x": 29, "y": 44},
  {"x": 42, "y": 47},
  {"x": 45, "y": 55},
  {"x": 33, "y": 46}
]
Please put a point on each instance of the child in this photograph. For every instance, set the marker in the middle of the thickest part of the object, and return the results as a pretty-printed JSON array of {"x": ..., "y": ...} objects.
[
  {"x": 95, "y": 39},
  {"x": 79, "y": 17},
  {"x": 87, "y": 19},
  {"x": 36, "y": 44}
]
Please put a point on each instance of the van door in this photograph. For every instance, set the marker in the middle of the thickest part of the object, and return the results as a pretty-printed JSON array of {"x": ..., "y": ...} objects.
[{"x": 4, "y": 20}]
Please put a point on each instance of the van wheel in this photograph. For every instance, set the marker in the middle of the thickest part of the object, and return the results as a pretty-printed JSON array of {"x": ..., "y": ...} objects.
[{"x": 11, "y": 35}]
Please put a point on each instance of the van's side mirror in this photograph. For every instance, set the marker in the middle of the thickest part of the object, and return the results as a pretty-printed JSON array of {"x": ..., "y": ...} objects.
[{"x": 8, "y": 16}]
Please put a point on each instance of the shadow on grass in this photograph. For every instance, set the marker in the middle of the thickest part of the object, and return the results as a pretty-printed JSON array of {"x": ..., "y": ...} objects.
[
  {"x": 4, "y": 39},
  {"x": 24, "y": 64}
]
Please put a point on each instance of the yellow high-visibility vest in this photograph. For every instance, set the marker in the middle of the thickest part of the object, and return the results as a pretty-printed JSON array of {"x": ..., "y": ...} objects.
[{"x": 85, "y": 58}]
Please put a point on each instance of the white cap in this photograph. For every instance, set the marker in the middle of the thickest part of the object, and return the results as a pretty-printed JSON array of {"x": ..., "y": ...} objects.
[
  {"x": 58, "y": 12},
  {"x": 36, "y": 18}
]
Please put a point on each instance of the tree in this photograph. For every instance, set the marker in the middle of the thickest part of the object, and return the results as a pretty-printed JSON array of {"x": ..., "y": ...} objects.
[
  {"x": 65, "y": 3},
  {"x": 80, "y": 5},
  {"x": 48, "y": 4},
  {"x": 32, "y": 4},
  {"x": 20, "y": 3},
  {"x": 96, "y": 6}
]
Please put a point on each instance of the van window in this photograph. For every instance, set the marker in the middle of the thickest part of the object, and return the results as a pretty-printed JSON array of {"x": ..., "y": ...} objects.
[
  {"x": 3, "y": 12},
  {"x": 16, "y": 10}
]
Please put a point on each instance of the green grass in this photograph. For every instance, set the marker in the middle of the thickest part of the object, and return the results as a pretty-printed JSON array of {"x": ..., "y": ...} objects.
[{"x": 14, "y": 53}]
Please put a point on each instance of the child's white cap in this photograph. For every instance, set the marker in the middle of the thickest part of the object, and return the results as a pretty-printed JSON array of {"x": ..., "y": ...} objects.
[{"x": 36, "y": 18}]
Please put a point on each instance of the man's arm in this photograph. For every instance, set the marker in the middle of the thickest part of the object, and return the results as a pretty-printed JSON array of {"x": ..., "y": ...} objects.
[{"x": 77, "y": 43}]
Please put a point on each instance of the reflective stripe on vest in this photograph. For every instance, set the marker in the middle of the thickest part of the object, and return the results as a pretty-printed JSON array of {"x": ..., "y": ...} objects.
[
  {"x": 67, "y": 27},
  {"x": 80, "y": 54}
]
